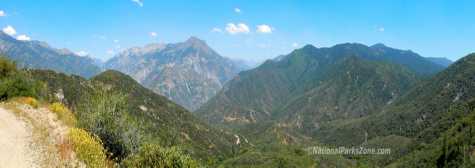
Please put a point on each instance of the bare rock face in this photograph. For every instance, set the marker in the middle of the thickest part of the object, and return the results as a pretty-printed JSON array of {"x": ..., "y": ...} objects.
[{"x": 189, "y": 73}]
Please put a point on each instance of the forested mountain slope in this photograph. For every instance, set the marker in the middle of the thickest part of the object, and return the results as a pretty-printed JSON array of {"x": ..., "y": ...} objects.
[
  {"x": 146, "y": 117},
  {"x": 262, "y": 93}
]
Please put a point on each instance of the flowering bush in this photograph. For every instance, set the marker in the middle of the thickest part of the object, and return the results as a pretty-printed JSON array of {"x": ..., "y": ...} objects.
[
  {"x": 63, "y": 113},
  {"x": 88, "y": 148}
]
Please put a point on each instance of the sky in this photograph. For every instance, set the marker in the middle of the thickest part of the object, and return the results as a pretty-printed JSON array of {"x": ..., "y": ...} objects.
[{"x": 246, "y": 29}]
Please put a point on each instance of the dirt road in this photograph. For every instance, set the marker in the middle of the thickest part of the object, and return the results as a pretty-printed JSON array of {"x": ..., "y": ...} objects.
[{"x": 15, "y": 142}]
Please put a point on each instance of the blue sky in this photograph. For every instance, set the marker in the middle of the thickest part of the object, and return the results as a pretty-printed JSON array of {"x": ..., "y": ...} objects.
[{"x": 246, "y": 29}]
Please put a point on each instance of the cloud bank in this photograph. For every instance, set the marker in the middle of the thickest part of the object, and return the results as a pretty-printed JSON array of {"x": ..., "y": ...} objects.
[{"x": 239, "y": 28}]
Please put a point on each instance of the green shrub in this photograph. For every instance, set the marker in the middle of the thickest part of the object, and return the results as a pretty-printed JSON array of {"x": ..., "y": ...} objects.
[
  {"x": 103, "y": 113},
  {"x": 18, "y": 85},
  {"x": 7, "y": 68},
  {"x": 152, "y": 155},
  {"x": 14, "y": 83},
  {"x": 88, "y": 148},
  {"x": 63, "y": 113}
]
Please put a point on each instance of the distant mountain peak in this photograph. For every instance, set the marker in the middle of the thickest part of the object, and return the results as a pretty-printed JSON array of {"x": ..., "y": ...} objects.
[
  {"x": 308, "y": 79},
  {"x": 350, "y": 45},
  {"x": 379, "y": 45},
  {"x": 114, "y": 74},
  {"x": 4, "y": 35},
  {"x": 309, "y": 47},
  {"x": 188, "y": 72},
  {"x": 40, "y": 55},
  {"x": 152, "y": 47},
  {"x": 197, "y": 44},
  {"x": 194, "y": 39}
]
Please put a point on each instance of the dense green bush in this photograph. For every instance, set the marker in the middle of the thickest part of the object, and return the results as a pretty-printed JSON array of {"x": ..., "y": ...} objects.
[
  {"x": 153, "y": 155},
  {"x": 7, "y": 68},
  {"x": 14, "y": 83},
  {"x": 103, "y": 113}
]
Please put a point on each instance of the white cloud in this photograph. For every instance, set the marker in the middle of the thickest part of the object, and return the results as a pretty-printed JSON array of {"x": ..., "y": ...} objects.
[
  {"x": 295, "y": 45},
  {"x": 153, "y": 34},
  {"x": 9, "y": 30},
  {"x": 138, "y": 2},
  {"x": 2, "y": 13},
  {"x": 23, "y": 38},
  {"x": 264, "y": 29},
  {"x": 381, "y": 29},
  {"x": 237, "y": 10},
  {"x": 82, "y": 53},
  {"x": 116, "y": 41},
  {"x": 232, "y": 28},
  {"x": 216, "y": 30}
]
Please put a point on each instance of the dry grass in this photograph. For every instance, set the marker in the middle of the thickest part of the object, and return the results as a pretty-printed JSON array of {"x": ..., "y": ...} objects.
[
  {"x": 65, "y": 150},
  {"x": 64, "y": 114},
  {"x": 28, "y": 101}
]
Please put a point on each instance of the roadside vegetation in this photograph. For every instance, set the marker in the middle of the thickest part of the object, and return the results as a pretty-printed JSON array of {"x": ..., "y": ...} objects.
[
  {"x": 15, "y": 83},
  {"x": 98, "y": 133},
  {"x": 88, "y": 148},
  {"x": 63, "y": 113},
  {"x": 153, "y": 155},
  {"x": 103, "y": 114}
]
